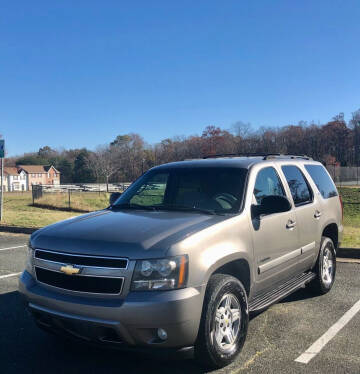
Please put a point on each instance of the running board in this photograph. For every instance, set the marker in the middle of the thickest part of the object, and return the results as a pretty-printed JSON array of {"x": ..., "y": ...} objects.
[{"x": 263, "y": 301}]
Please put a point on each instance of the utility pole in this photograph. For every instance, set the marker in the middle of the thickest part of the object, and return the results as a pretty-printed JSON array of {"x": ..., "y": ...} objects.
[{"x": 2, "y": 155}]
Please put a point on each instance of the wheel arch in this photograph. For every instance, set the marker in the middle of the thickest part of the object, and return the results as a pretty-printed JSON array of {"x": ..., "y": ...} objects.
[
  {"x": 238, "y": 268},
  {"x": 331, "y": 231}
]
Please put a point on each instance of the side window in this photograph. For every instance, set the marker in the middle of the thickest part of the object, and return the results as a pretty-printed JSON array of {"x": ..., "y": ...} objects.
[
  {"x": 300, "y": 190},
  {"x": 267, "y": 183},
  {"x": 323, "y": 182},
  {"x": 152, "y": 192}
]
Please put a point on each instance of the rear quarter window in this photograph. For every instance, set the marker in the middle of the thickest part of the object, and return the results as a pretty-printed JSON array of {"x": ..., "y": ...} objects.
[
  {"x": 299, "y": 187},
  {"x": 323, "y": 182}
]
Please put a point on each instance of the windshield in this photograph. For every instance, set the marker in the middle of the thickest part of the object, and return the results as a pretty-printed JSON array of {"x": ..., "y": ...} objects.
[{"x": 212, "y": 190}]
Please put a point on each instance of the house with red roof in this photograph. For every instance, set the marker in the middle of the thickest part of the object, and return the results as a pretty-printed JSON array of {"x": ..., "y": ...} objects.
[
  {"x": 23, "y": 177},
  {"x": 40, "y": 174}
]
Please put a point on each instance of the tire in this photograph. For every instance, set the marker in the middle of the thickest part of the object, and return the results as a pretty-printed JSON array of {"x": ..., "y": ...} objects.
[
  {"x": 224, "y": 320},
  {"x": 324, "y": 270}
]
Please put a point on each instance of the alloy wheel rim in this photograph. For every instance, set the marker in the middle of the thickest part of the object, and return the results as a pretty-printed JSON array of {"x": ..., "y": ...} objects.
[
  {"x": 327, "y": 267},
  {"x": 227, "y": 323}
]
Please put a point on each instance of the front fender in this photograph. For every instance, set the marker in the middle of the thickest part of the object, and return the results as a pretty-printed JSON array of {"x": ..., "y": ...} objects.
[
  {"x": 213, "y": 262},
  {"x": 216, "y": 246}
]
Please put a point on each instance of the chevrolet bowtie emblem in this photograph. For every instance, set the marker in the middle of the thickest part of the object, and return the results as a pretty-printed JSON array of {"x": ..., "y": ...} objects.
[{"x": 70, "y": 270}]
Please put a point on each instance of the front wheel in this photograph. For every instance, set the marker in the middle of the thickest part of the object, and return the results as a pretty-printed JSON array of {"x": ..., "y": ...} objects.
[
  {"x": 325, "y": 268},
  {"x": 224, "y": 322}
]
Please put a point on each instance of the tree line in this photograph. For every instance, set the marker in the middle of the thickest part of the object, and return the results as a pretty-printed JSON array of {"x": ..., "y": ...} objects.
[{"x": 128, "y": 156}]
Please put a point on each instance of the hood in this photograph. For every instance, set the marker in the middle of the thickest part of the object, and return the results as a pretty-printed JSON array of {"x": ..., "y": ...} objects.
[{"x": 132, "y": 234}]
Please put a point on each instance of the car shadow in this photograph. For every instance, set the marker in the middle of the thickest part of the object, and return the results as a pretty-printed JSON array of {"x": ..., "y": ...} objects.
[
  {"x": 301, "y": 294},
  {"x": 27, "y": 349}
]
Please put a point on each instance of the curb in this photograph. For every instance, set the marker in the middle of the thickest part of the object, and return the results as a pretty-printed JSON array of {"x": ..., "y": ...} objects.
[
  {"x": 348, "y": 253},
  {"x": 18, "y": 229}
]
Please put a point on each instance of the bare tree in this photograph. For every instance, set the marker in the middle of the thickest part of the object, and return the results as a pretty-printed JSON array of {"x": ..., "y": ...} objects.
[
  {"x": 241, "y": 131},
  {"x": 104, "y": 163}
]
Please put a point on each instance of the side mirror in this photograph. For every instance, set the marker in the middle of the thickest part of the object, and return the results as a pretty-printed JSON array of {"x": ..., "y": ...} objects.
[
  {"x": 113, "y": 197},
  {"x": 272, "y": 204}
]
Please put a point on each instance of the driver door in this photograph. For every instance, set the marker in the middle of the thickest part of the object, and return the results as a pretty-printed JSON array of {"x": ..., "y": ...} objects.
[{"x": 275, "y": 236}]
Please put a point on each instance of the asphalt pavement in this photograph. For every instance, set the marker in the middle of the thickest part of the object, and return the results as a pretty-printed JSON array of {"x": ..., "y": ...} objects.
[{"x": 276, "y": 337}]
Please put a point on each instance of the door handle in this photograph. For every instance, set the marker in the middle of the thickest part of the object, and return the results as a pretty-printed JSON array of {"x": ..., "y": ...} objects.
[
  {"x": 290, "y": 224},
  {"x": 317, "y": 214}
]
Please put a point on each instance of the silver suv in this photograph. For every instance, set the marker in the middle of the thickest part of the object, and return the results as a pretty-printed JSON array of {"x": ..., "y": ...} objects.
[{"x": 181, "y": 258}]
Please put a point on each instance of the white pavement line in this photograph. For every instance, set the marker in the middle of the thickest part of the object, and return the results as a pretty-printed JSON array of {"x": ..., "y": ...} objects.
[
  {"x": 9, "y": 275},
  {"x": 19, "y": 246},
  {"x": 312, "y": 351}
]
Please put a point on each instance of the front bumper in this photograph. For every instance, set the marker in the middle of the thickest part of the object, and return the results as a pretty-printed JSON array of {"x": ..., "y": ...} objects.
[{"x": 132, "y": 321}]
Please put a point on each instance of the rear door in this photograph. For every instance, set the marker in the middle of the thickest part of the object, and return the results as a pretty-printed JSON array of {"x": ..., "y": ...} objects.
[
  {"x": 275, "y": 236},
  {"x": 308, "y": 214},
  {"x": 327, "y": 194}
]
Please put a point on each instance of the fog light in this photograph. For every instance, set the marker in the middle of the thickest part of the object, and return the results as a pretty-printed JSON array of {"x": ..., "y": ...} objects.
[{"x": 162, "y": 334}]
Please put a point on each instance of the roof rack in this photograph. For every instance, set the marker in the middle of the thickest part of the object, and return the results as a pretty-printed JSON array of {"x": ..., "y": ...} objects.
[{"x": 265, "y": 156}]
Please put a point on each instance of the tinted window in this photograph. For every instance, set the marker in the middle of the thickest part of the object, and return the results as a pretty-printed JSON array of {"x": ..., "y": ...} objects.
[
  {"x": 213, "y": 188},
  {"x": 267, "y": 184},
  {"x": 299, "y": 188},
  {"x": 323, "y": 182}
]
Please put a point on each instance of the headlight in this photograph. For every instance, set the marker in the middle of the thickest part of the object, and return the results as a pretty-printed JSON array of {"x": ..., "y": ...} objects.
[
  {"x": 29, "y": 266},
  {"x": 162, "y": 274}
]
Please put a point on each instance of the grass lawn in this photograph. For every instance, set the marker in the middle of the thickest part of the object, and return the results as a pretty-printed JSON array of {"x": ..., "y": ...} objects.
[
  {"x": 18, "y": 210},
  {"x": 351, "y": 199}
]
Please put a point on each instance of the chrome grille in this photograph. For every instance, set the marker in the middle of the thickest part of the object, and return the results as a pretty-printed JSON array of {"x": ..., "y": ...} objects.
[
  {"x": 94, "y": 274},
  {"x": 94, "y": 261}
]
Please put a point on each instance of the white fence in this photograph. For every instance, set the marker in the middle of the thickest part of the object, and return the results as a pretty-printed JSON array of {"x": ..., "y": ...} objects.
[
  {"x": 86, "y": 187},
  {"x": 345, "y": 175}
]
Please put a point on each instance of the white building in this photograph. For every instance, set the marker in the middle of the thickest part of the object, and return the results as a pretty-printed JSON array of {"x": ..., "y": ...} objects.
[
  {"x": 14, "y": 179},
  {"x": 4, "y": 184}
]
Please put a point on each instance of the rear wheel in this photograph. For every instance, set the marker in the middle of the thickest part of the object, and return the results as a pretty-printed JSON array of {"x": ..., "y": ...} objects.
[
  {"x": 325, "y": 268},
  {"x": 224, "y": 322}
]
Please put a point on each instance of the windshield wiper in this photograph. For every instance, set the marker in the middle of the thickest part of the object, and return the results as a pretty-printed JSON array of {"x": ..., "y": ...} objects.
[
  {"x": 186, "y": 209},
  {"x": 133, "y": 206}
]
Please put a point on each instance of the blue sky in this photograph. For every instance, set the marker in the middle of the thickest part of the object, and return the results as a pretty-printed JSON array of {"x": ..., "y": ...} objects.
[{"x": 78, "y": 73}]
